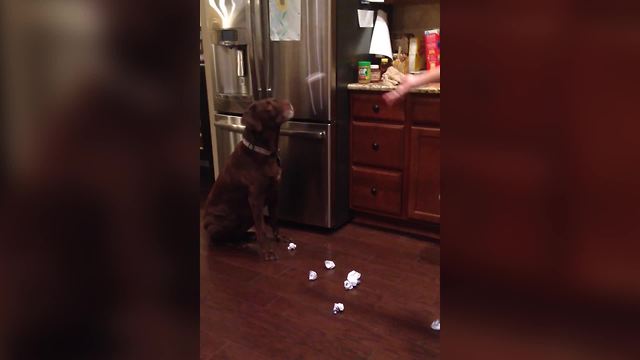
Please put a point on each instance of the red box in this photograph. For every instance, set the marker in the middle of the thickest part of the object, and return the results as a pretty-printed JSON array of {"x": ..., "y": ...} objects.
[{"x": 432, "y": 48}]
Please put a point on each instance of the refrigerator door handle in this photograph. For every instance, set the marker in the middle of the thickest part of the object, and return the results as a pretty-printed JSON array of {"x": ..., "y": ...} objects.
[
  {"x": 297, "y": 133},
  {"x": 227, "y": 126},
  {"x": 266, "y": 43},
  {"x": 255, "y": 16},
  {"x": 304, "y": 133}
]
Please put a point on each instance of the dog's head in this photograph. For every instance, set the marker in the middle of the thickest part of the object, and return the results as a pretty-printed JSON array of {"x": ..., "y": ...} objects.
[
  {"x": 268, "y": 113},
  {"x": 263, "y": 120}
]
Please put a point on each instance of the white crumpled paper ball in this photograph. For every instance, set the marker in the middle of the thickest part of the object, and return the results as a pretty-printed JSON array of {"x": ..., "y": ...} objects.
[
  {"x": 354, "y": 278},
  {"x": 348, "y": 285},
  {"x": 435, "y": 325},
  {"x": 313, "y": 275}
]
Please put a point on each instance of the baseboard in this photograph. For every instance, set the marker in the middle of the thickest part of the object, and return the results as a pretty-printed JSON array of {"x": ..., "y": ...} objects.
[{"x": 420, "y": 230}]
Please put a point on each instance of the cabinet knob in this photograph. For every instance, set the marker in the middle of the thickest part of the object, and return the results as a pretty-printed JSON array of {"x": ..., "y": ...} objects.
[
  {"x": 374, "y": 191},
  {"x": 376, "y": 108},
  {"x": 375, "y": 146}
]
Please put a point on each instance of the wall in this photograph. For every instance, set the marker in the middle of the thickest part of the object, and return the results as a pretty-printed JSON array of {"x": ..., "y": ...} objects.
[{"x": 415, "y": 16}]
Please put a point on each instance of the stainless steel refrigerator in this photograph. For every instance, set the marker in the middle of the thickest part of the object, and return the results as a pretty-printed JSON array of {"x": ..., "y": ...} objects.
[{"x": 307, "y": 58}]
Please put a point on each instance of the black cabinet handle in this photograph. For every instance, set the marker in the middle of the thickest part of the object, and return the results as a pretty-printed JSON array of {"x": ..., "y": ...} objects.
[
  {"x": 374, "y": 191},
  {"x": 375, "y": 146},
  {"x": 376, "y": 108}
]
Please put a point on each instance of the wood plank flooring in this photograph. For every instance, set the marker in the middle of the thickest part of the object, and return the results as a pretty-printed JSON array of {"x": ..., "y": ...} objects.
[{"x": 250, "y": 309}]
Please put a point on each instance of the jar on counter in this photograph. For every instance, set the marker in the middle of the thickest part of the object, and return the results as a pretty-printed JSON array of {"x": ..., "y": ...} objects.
[
  {"x": 364, "y": 72},
  {"x": 376, "y": 74}
]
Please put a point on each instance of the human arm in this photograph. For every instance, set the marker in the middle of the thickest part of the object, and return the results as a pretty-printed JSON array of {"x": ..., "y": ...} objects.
[{"x": 412, "y": 81}]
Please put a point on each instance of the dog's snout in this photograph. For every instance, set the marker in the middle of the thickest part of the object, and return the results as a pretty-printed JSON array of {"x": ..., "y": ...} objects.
[{"x": 288, "y": 111}]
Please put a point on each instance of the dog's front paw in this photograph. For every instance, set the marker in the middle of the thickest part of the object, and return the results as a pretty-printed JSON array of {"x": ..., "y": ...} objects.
[{"x": 269, "y": 256}]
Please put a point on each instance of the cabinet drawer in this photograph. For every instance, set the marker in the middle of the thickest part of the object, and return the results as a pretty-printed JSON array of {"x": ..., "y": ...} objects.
[
  {"x": 377, "y": 190},
  {"x": 372, "y": 106},
  {"x": 423, "y": 109},
  {"x": 378, "y": 145}
]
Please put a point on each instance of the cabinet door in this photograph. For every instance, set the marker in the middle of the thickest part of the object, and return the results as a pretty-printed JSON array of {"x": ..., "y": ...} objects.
[{"x": 424, "y": 174}]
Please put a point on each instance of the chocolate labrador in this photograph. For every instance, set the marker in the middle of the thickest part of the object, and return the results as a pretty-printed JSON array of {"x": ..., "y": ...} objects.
[{"x": 249, "y": 180}]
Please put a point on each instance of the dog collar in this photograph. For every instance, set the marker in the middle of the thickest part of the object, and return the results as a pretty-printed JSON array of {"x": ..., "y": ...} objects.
[{"x": 255, "y": 148}]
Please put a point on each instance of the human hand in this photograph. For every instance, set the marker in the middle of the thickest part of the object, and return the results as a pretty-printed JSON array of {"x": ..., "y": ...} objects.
[{"x": 392, "y": 96}]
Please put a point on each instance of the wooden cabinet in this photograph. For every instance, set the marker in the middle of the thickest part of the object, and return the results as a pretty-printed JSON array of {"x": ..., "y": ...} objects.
[
  {"x": 424, "y": 174},
  {"x": 376, "y": 190},
  {"x": 366, "y": 106},
  {"x": 423, "y": 109},
  {"x": 378, "y": 145},
  {"x": 395, "y": 161}
]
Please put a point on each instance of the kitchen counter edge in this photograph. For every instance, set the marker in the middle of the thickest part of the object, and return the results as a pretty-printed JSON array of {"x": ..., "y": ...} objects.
[{"x": 430, "y": 89}]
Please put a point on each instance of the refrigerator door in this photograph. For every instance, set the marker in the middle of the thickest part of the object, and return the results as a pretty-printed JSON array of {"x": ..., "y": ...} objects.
[
  {"x": 305, "y": 191},
  {"x": 238, "y": 53},
  {"x": 312, "y": 72},
  {"x": 304, "y": 194},
  {"x": 301, "y": 70}
]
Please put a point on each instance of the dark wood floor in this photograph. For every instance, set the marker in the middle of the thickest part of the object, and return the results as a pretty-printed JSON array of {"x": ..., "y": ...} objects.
[{"x": 270, "y": 310}]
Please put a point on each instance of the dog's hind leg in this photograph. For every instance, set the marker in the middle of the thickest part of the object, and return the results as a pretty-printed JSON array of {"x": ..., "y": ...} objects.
[
  {"x": 219, "y": 233},
  {"x": 257, "y": 203}
]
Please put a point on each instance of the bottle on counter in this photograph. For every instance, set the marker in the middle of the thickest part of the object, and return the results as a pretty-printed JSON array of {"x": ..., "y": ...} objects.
[
  {"x": 396, "y": 59},
  {"x": 384, "y": 65},
  {"x": 376, "y": 74},
  {"x": 364, "y": 72},
  {"x": 416, "y": 49},
  {"x": 400, "y": 61}
]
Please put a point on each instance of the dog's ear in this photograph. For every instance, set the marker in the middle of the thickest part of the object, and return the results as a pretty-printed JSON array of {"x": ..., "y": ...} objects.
[{"x": 250, "y": 119}]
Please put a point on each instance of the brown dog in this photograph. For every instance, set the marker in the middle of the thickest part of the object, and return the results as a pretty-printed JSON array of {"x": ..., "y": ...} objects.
[{"x": 249, "y": 180}]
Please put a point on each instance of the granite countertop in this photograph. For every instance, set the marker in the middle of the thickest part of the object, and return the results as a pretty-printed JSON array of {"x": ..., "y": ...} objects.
[{"x": 379, "y": 86}]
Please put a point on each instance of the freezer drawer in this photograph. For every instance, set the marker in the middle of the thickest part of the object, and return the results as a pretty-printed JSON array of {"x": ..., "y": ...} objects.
[{"x": 305, "y": 194}]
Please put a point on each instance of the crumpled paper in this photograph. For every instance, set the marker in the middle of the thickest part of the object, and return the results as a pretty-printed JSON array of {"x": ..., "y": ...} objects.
[
  {"x": 291, "y": 246},
  {"x": 329, "y": 264},
  {"x": 338, "y": 307},
  {"x": 435, "y": 325},
  {"x": 354, "y": 277},
  {"x": 313, "y": 275},
  {"x": 348, "y": 285}
]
